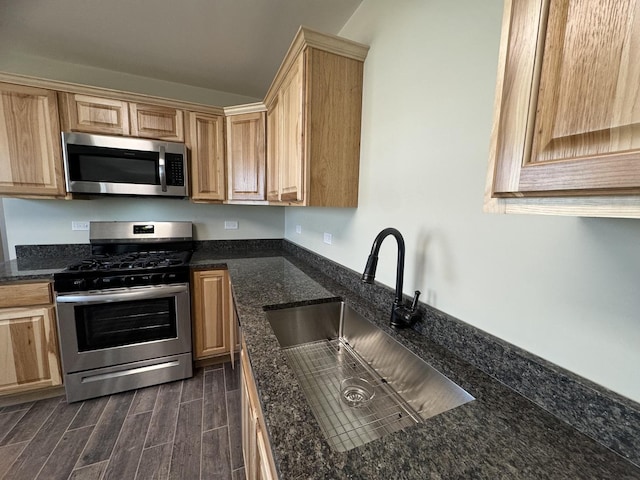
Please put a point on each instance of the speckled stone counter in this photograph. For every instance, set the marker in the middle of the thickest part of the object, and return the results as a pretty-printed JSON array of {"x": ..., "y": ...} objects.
[{"x": 499, "y": 435}]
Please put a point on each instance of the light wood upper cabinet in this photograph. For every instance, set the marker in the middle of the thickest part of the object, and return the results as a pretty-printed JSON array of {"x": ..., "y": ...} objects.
[
  {"x": 274, "y": 134},
  {"x": 314, "y": 109},
  {"x": 30, "y": 144},
  {"x": 245, "y": 137},
  {"x": 154, "y": 121},
  {"x": 566, "y": 135},
  {"x": 212, "y": 313},
  {"x": 205, "y": 139},
  {"x": 108, "y": 116},
  {"x": 28, "y": 341},
  {"x": 89, "y": 114}
]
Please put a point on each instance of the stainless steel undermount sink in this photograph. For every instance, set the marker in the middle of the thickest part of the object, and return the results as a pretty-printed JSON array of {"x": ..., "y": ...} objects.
[{"x": 361, "y": 384}]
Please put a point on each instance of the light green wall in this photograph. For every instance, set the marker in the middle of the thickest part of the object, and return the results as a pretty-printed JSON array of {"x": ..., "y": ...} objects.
[
  {"x": 33, "y": 222},
  {"x": 563, "y": 288}
]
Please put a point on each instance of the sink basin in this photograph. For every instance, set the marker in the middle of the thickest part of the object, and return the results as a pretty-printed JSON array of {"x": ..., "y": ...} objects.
[{"x": 361, "y": 384}]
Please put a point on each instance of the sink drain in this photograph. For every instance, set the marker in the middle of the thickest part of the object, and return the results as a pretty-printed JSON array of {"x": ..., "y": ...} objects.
[{"x": 356, "y": 392}]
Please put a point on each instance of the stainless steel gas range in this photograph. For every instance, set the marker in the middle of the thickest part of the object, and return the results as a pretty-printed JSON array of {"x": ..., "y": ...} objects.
[{"x": 124, "y": 317}]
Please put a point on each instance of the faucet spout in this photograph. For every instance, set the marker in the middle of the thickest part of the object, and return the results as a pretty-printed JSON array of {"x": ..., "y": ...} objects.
[{"x": 402, "y": 316}]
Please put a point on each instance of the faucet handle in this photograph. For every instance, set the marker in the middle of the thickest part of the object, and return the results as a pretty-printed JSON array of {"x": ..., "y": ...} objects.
[{"x": 414, "y": 304}]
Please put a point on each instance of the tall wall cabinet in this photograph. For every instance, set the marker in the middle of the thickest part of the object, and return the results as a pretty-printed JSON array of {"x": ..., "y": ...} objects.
[
  {"x": 30, "y": 145},
  {"x": 566, "y": 137},
  {"x": 314, "y": 109}
]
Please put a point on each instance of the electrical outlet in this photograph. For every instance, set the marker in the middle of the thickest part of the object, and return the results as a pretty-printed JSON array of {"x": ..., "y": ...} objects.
[
  {"x": 79, "y": 225},
  {"x": 298, "y": 228},
  {"x": 328, "y": 238},
  {"x": 230, "y": 224}
]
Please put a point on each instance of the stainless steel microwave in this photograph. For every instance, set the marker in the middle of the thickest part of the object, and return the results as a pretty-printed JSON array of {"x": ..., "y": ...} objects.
[{"x": 99, "y": 164}]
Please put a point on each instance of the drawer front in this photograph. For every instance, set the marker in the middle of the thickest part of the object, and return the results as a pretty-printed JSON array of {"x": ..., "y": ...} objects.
[{"x": 25, "y": 294}]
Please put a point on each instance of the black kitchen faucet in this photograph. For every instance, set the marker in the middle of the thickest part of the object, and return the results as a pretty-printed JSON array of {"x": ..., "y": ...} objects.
[{"x": 402, "y": 316}]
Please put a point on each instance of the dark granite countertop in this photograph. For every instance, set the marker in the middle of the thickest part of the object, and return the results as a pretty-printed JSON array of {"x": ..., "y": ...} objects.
[{"x": 501, "y": 434}]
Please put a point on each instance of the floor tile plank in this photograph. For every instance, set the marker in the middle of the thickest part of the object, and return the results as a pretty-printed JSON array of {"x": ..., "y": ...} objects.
[
  {"x": 163, "y": 419},
  {"x": 192, "y": 387},
  {"x": 215, "y": 405},
  {"x": 235, "y": 428},
  {"x": 31, "y": 460},
  {"x": 232, "y": 376},
  {"x": 126, "y": 453},
  {"x": 90, "y": 412},
  {"x": 64, "y": 457},
  {"x": 155, "y": 462},
  {"x": 90, "y": 472},
  {"x": 9, "y": 420},
  {"x": 106, "y": 431},
  {"x": 31, "y": 422},
  {"x": 145, "y": 400},
  {"x": 216, "y": 461},
  {"x": 185, "y": 460},
  {"x": 8, "y": 455}
]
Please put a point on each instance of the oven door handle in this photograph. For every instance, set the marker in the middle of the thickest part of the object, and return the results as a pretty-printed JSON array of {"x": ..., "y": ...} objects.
[{"x": 124, "y": 294}]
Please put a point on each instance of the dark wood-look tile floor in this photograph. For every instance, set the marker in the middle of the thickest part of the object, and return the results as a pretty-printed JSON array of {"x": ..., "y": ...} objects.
[{"x": 182, "y": 430}]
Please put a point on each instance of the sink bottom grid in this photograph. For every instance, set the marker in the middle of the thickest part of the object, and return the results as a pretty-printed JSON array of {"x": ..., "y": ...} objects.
[{"x": 321, "y": 368}]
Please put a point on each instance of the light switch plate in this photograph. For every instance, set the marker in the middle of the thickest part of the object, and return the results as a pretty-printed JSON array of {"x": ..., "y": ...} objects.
[{"x": 328, "y": 238}]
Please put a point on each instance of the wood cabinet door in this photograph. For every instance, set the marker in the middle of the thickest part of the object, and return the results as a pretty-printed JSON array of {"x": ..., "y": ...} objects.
[
  {"x": 30, "y": 143},
  {"x": 568, "y": 118},
  {"x": 249, "y": 428},
  {"x": 292, "y": 157},
  {"x": 88, "y": 114},
  {"x": 274, "y": 142},
  {"x": 246, "y": 156},
  {"x": 154, "y": 121},
  {"x": 205, "y": 139},
  {"x": 211, "y": 312},
  {"x": 28, "y": 349}
]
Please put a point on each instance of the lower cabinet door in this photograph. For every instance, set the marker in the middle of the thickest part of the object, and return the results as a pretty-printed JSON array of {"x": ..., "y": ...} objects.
[
  {"x": 212, "y": 314},
  {"x": 28, "y": 349}
]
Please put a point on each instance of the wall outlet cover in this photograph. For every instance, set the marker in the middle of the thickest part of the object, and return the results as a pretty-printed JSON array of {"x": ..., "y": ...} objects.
[
  {"x": 230, "y": 224},
  {"x": 75, "y": 225},
  {"x": 328, "y": 238},
  {"x": 298, "y": 228}
]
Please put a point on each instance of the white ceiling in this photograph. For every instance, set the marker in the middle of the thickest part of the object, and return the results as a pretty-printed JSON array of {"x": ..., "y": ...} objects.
[{"x": 234, "y": 46}]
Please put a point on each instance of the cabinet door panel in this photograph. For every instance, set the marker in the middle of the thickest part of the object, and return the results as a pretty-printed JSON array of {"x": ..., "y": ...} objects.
[
  {"x": 274, "y": 142},
  {"x": 153, "y": 121},
  {"x": 29, "y": 349},
  {"x": 30, "y": 145},
  {"x": 88, "y": 114},
  {"x": 205, "y": 136},
  {"x": 569, "y": 120},
  {"x": 211, "y": 313},
  {"x": 292, "y": 153},
  {"x": 246, "y": 156}
]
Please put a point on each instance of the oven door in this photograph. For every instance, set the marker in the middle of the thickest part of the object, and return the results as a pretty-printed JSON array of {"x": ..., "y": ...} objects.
[{"x": 117, "y": 326}]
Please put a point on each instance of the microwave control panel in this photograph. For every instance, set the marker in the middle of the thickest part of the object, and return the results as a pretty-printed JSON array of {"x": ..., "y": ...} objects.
[{"x": 175, "y": 169}]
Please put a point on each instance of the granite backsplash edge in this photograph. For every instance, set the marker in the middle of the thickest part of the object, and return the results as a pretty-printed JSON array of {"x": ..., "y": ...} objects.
[{"x": 607, "y": 417}]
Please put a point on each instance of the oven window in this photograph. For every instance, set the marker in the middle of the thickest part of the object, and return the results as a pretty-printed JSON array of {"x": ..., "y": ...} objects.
[{"x": 109, "y": 325}]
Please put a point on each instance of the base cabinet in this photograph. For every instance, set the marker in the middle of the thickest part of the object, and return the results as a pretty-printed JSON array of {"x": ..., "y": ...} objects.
[
  {"x": 212, "y": 313},
  {"x": 29, "y": 352},
  {"x": 258, "y": 460}
]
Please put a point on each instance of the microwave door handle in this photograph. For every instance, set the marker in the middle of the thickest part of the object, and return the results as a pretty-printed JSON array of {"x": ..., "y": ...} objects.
[{"x": 162, "y": 171}]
